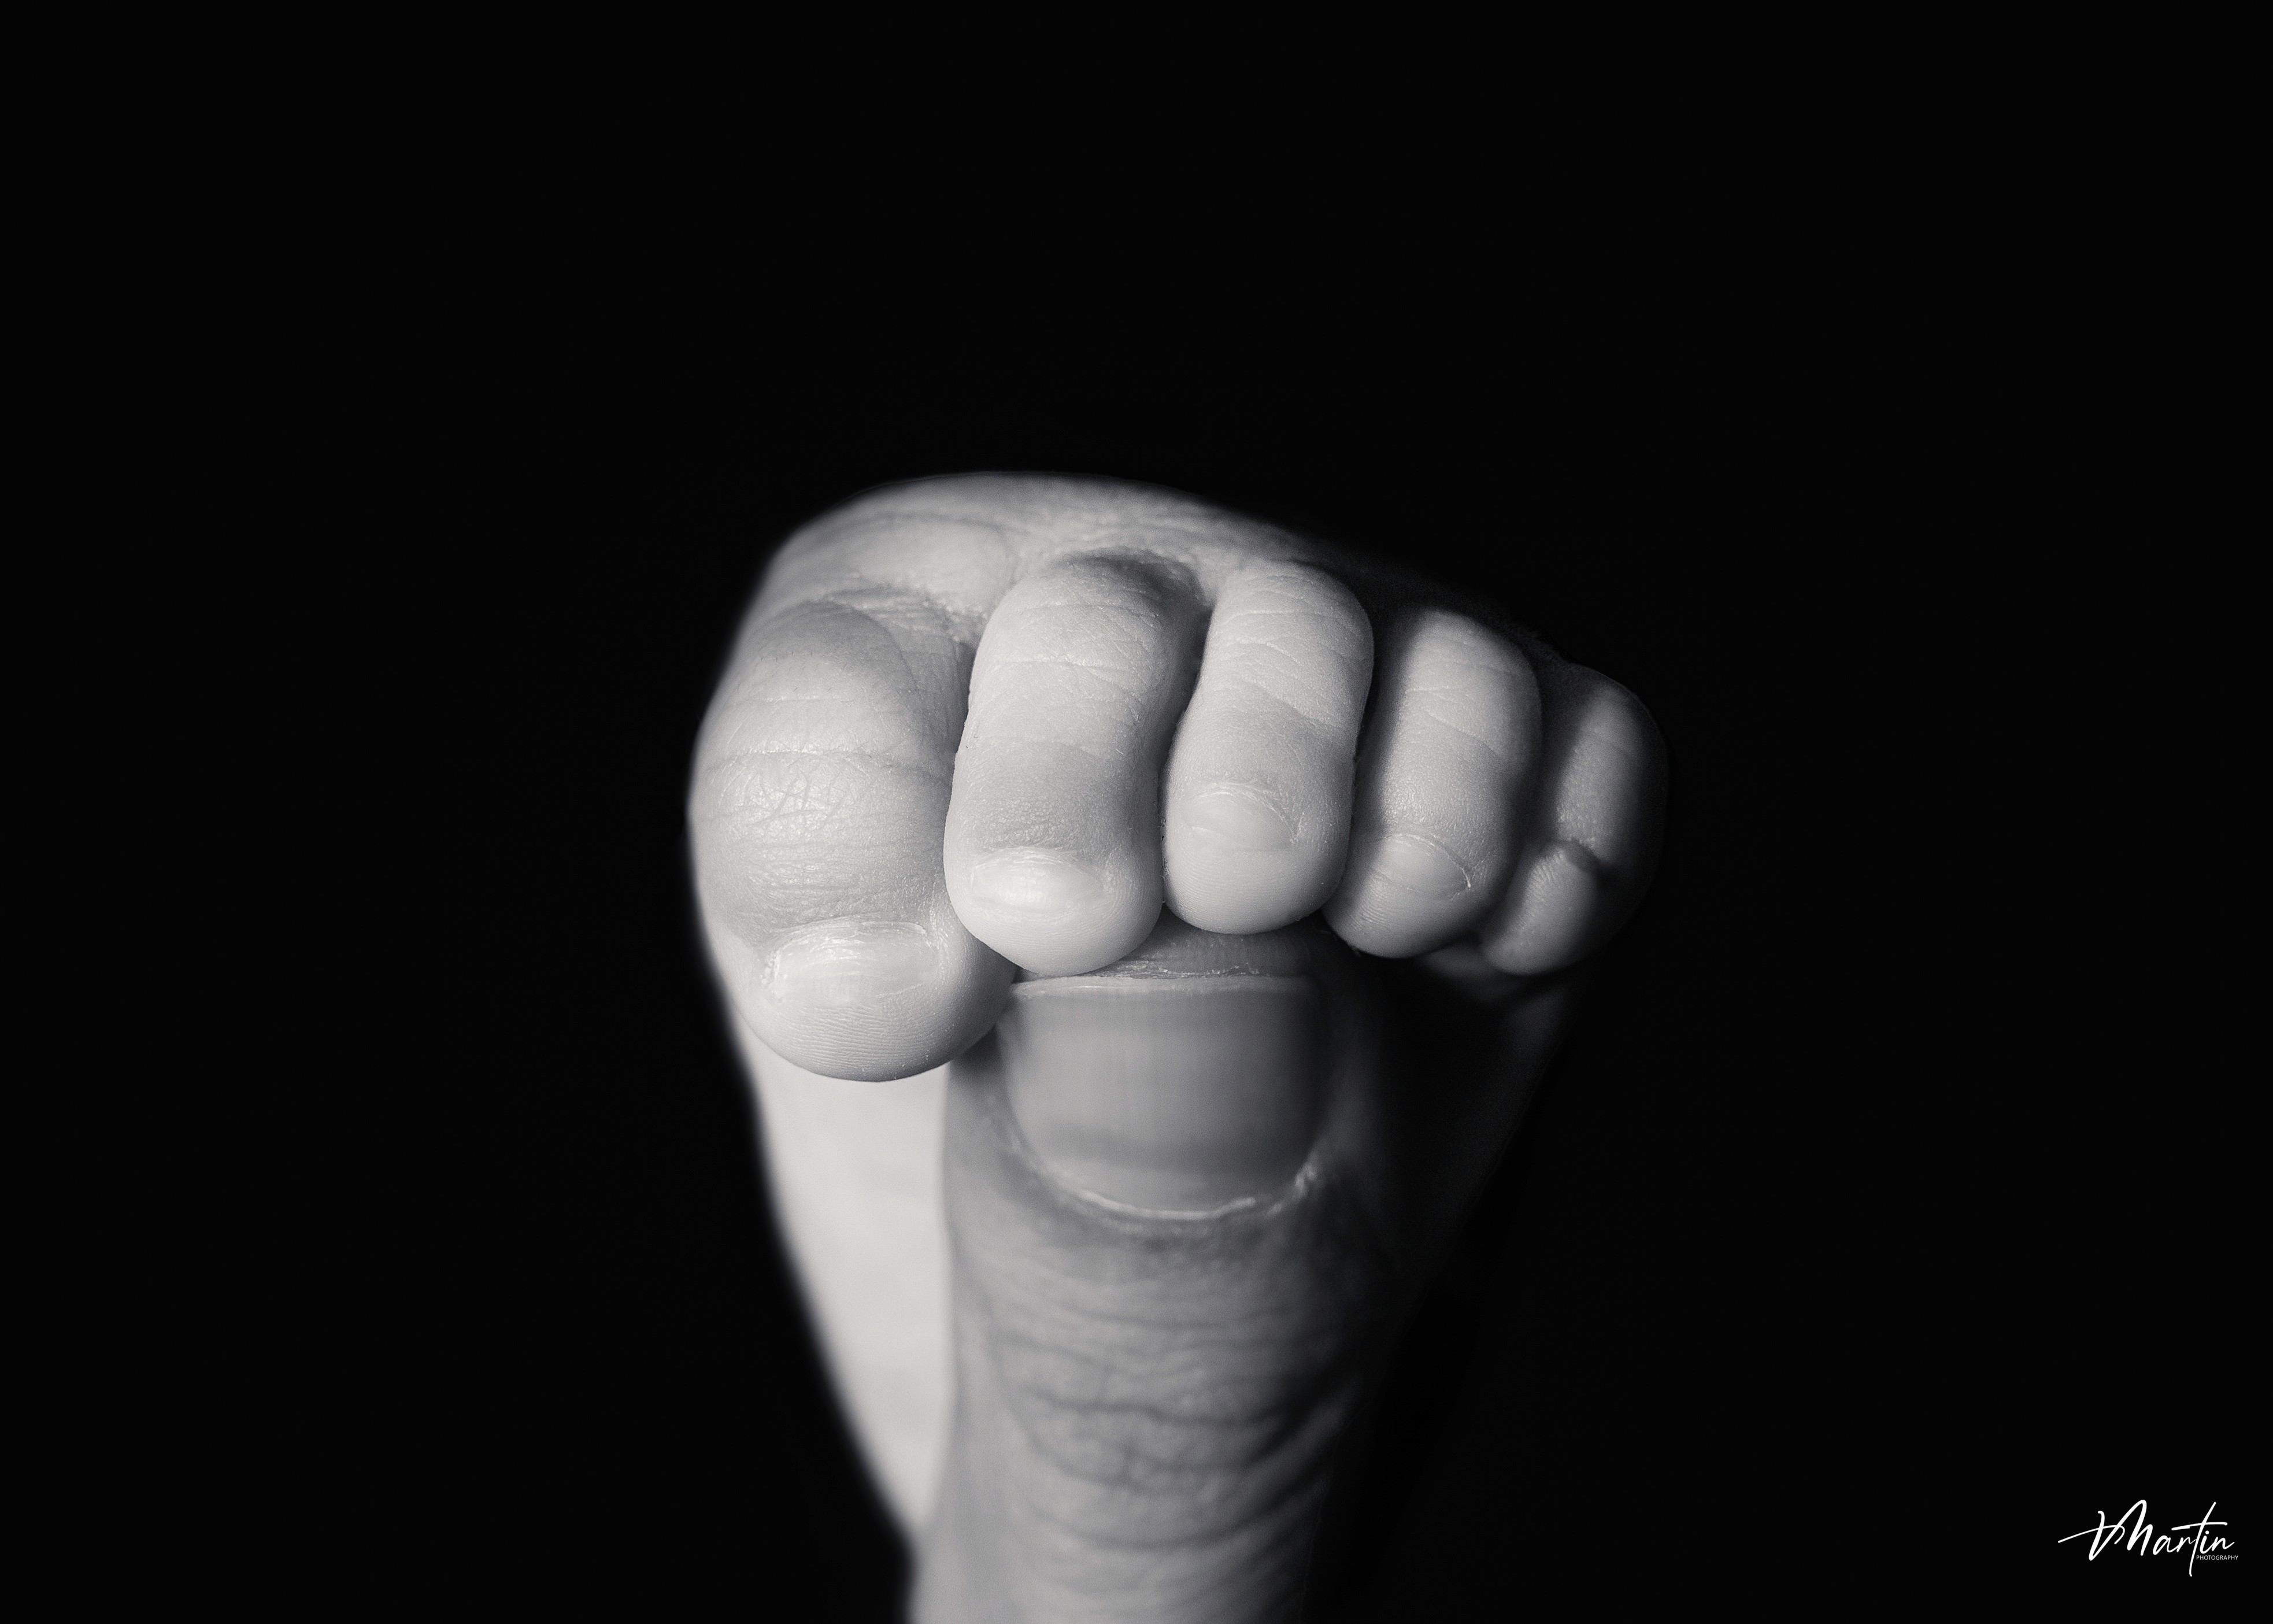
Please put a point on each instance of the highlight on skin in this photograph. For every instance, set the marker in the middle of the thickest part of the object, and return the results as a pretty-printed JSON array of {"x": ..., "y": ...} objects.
[{"x": 1190, "y": 901}]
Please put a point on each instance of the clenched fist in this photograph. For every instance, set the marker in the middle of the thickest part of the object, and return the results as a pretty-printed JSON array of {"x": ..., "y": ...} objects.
[{"x": 1143, "y": 925}]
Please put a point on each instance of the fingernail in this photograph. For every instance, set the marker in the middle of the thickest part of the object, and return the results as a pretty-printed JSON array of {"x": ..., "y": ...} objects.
[
  {"x": 1422, "y": 867},
  {"x": 839, "y": 968},
  {"x": 1562, "y": 897},
  {"x": 1175, "y": 1096},
  {"x": 1033, "y": 882},
  {"x": 1239, "y": 820}
]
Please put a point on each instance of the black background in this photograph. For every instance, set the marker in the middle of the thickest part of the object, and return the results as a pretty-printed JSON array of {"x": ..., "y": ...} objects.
[{"x": 1801, "y": 1268}]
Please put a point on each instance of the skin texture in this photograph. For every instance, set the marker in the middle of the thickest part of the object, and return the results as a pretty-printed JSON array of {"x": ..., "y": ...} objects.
[{"x": 1100, "y": 1293}]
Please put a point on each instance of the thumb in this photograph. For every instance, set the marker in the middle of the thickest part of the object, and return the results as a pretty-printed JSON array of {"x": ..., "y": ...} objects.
[{"x": 1185, "y": 1207}]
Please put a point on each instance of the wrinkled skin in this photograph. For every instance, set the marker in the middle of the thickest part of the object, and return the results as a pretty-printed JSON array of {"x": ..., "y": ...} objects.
[{"x": 1146, "y": 927}]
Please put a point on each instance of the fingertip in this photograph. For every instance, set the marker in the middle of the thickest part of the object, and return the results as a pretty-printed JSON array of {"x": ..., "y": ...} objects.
[
  {"x": 1029, "y": 886},
  {"x": 867, "y": 1000},
  {"x": 1256, "y": 821},
  {"x": 1051, "y": 910},
  {"x": 1240, "y": 860},
  {"x": 1406, "y": 895},
  {"x": 1552, "y": 916},
  {"x": 1052, "y": 849},
  {"x": 1604, "y": 808},
  {"x": 1446, "y": 770},
  {"x": 1608, "y": 770}
]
